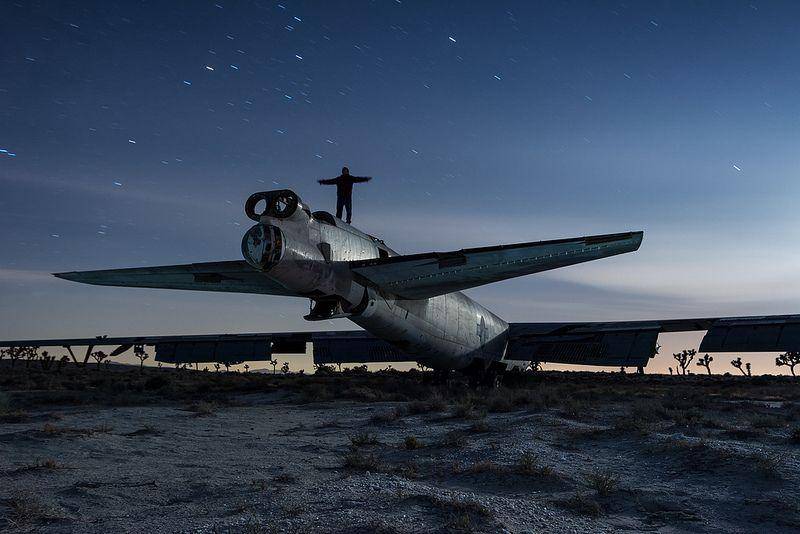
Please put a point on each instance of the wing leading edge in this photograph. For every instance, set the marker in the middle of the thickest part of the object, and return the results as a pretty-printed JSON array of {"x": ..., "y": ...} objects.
[
  {"x": 426, "y": 275},
  {"x": 225, "y": 276},
  {"x": 633, "y": 343}
]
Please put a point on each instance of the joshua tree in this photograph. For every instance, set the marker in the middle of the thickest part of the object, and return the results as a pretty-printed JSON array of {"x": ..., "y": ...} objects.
[
  {"x": 274, "y": 364},
  {"x": 15, "y": 353},
  {"x": 31, "y": 354},
  {"x": 739, "y": 365},
  {"x": 2, "y": 353},
  {"x": 47, "y": 360},
  {"x": 285, "y": 368},
  {"x": 63, "y": 360},
  {"x": 227, "y": 366},
  {"x": 246, "y": 368},
  {"x": 789, "y": 359},
  {"x": 536, "y": 367},
  {"x": 99, "y": 356},
  {"x": 684, "y": 358},
  {"x": 139, "y": 352},
  {"x": 670, "y": 370},
  {"x": 705, "y": 361}
]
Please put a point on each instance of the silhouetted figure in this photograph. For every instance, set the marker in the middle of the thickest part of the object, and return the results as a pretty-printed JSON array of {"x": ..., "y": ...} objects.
[{"x": 344, "y": 191}]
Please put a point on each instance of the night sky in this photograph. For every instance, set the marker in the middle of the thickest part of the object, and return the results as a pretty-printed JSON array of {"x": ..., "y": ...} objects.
[{"x": 131, "y": 134}]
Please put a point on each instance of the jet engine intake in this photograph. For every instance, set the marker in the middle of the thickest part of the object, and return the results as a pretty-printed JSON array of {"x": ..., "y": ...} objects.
[
  {"x": 280, "y": 204},
  {"x": 262, "y": 246}
]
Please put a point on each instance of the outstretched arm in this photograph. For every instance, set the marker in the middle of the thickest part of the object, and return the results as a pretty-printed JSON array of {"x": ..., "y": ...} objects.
[
  {"x": 359, "y": 179},
  {"x": 330, "y": 181}
]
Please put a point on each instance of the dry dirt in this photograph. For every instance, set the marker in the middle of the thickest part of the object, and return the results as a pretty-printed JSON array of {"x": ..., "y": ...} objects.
[{"x": 114, "y": 450}]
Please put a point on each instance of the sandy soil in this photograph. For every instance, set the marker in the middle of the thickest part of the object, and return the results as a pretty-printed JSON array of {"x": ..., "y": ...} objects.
[{"x": 457, "y": 460}]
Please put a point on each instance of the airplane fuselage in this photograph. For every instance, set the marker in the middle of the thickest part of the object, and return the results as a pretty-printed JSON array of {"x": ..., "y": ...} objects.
[{"x": 309, "y": 252}]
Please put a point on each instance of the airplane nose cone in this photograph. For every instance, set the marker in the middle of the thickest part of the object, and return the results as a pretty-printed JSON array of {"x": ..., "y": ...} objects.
[{"x": 257, "y": 246}]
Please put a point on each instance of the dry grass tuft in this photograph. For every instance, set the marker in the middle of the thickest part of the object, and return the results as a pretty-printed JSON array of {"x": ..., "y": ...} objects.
[{"x": 604, "y": 482}]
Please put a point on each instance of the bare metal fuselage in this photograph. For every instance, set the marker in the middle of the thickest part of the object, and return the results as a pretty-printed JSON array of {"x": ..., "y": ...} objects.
[{"x": 309, "y": 254}]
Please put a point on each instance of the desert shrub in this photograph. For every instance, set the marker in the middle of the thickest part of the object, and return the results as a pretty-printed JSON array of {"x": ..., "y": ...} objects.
[
  {"x": 766, "y": 465},
  {"x": 146, "y": 430},
  {"x": 466, "y": 410},
  {"x": 156, "y": 382},
  {"x": 604, "y": 482},
  {"x": 409, "y": 470},
  {"x": 766, "y": 421},
  {"x": 356, "y": 460},
  {"x": 479, "y": 426},
  {"x": 411, "y": 443},
  {"x": 285, "y": 478},
  {"x": 48, "y": 464},
  {"x": 13, "y": 416},
  {"x": 324, "y": 370},
  {"x": 454, "y": 439},
  {"x": 316, "y": 392},
  {"x": 530, "y": 465},
  {"x": 454, "y": 505},
  {"x": 27, "y": 508},
  {"x": 363, "y": 438},
  {"x": 387, "y": 416},
  {"x": 581, "y": 504},
  {"x": 202, "y": 408},
  {"x": 484, "y": 466},
  {"x": 435, "y": 404}
]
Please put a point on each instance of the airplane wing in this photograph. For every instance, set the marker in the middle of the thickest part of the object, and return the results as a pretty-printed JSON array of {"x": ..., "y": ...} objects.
[
  {"x": 227, "y": 276},
  {"x": 419, "y": 276},
  {"x": 347, "y": 346},
  {"x": 633, "y": 343}
]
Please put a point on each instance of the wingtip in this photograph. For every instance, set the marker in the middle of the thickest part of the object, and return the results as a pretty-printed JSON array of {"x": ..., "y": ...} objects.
[
  {"x": 638, "y": 236},
  {"x": 73, "y": 276}
]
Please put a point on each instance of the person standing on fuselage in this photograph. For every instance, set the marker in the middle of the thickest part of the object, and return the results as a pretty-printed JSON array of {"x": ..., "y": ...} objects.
[{"x": 344, "y": 191}]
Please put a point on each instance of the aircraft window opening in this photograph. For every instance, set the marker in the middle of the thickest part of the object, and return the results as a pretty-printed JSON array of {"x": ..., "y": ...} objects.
[{"x": 324, "y": 217}]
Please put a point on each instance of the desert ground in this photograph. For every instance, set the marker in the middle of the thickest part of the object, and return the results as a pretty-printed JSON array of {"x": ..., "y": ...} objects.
[{"x": 116, "y": 449}]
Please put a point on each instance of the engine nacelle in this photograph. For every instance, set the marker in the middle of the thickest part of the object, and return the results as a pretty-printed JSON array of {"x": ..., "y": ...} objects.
[
  {"x": 288, "y": 246},
  {"x": 278, "y": 204}
]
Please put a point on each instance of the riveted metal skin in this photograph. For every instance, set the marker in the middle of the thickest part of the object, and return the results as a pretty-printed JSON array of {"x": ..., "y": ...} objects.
[{"x": 447, "y": 331}]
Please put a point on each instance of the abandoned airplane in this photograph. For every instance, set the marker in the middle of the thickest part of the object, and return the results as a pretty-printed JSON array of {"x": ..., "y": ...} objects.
[{"x": 409, "y": 306}]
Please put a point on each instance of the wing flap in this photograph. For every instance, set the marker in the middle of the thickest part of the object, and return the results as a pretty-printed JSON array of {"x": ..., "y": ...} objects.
[
  {"x": 355, "y": 347},
  {"x": 633, "y": 343},
  {"x": 205, "y": 348},
  {"x": 224, "y": 276},
  {"x": 420, "y": 276}
]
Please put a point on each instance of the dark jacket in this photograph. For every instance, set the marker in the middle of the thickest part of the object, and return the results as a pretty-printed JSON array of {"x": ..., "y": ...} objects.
[{"x": 344, "y": 183}]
